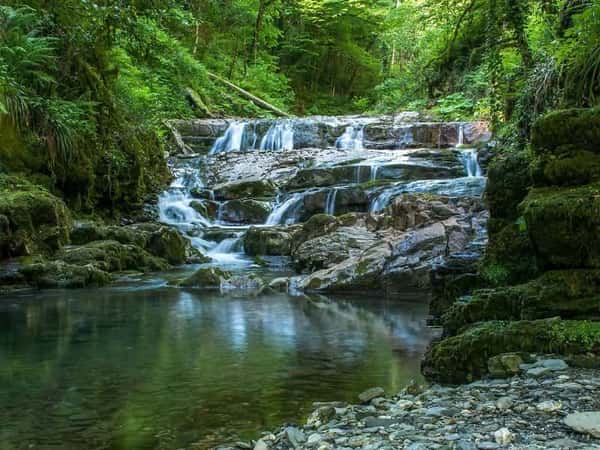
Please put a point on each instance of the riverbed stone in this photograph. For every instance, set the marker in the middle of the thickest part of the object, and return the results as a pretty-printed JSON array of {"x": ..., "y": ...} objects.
[
  {"x": 585, "y": 422},
  {"x": 209, "y": 278},
  {"x": 370, "y": 394}
]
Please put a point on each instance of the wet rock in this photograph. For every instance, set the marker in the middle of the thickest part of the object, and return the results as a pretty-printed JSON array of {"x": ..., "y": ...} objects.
[
  {"x": 245, "y": 211},
  {"x": 370, "y": 394},
  {"x": 503, "y": 436},
  {"x": 268, "y": 241},
  {"x": 506, "y": 365},
  {"x": 206, "y": 278},
  {"x": 242, "y": 285},
  {"x": 585, "y": 422},
  {"x": 255, "y": 189},
  {"x": 58, "y": 274}
]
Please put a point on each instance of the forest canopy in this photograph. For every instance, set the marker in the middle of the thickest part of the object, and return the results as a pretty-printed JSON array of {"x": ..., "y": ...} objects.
[{"x": 86, "y": 86}]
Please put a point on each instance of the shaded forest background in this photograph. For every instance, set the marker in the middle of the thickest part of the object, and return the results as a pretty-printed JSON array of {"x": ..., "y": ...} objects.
[{"x": 86, "y": 86}]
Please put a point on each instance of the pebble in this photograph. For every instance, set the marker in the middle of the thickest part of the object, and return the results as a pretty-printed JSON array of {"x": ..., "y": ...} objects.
[{"x": 524, "y": 413}]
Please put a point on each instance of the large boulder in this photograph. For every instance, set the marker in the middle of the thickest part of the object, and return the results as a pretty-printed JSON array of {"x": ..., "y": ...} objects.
[
  {"x": 573, "y": 294},
  {"x": 245, "y": 212},
  {"x": 256, "y": 189},
  {"x": 209, "y": 278},
  {"x": 576, "y": 128},
  {"x": 564, "y": 225},
  {"x": 58, "y": 274},
  {"x": 32, "y": 220},
  {"x": 464, "y": 358},
  {"x": 268, "y": 241}
]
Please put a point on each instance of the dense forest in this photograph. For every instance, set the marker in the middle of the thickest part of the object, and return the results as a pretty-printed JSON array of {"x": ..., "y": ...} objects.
[{"x": 85, "y": 86}]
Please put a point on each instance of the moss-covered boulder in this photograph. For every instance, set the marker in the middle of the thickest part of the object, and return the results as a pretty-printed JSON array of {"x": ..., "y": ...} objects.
[
  {"x": 268, "y": 242},
  {"x": 509, "y": 179},
  {"x": 245, "y": 189},
  {"x": 572, "y": 294},
  {"x": 579, "y": 128},
  {"x": 245, "y": 211},
  {"x": 59, "y": 274},
  {"x": 209, "y": 278},
  {"x": 564, "y": 225},
  {"x": 112, "y": 256},
  {"x": 32, "y": 220},
  {"x": 567, "y": 168},
  {"x": 464, "y": 358},
  {"x": 509, "y": 257}
]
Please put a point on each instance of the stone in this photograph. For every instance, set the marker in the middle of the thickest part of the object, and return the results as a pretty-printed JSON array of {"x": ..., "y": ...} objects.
[
  {"x": 295, "y": 436},
  {"x": 554, "y": 364},
  {"x": 504, "y": 403},
  {"x": 244, "y": 189},
  {"x": 504, "y": 436},
  {"x": 370, "y": 394},
  {"x": 486, "y": 445},
  {"x": 549, "y": 406},
  {"x": 585, "y": 422},
  {"x": 261, "y": 445},
  {"x": 314, "y": 438},
  {"x": 506, "y": 365},
  {"x": 205, "y": 278},
  {"x": 538, "y": 372}
]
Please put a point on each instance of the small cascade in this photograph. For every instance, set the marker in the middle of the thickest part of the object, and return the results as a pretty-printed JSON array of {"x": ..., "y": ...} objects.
[
  {"x": 287, "y": 212},
  {"x": 469, "y": 159},
  {"x": 280, "y": 136},
  {"x": 461, "y": 134},
  {"x": 174, "y": 205},
  {"x": 230, "y": 250},
  {"x": 374, "y": 170},
  {"x": 382, "y": 200},
  {"x": 406, "y": 137},
  {"x": 231, "y": 141},
  {"x": 352, "y": 139},
  {"x": 330, "y": 202}
]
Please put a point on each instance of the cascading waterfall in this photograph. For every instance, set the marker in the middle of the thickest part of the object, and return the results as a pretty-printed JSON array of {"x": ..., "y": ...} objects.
[
  {"x": 330, "y": 202},
  {"x": 352, "y": 139},
  {"x": 280, "y": 136},
  {"x": 471, "y": 163},
  {"x": 406, "y": 138},
  {"x": 288, "y": 211},
  {"x": 231, "y": 141},
  {"x": 461, "y": 135},
  {"x": 374, "y": 170}
]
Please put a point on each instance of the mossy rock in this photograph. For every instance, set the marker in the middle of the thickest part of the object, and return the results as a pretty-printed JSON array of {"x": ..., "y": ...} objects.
[
  {"x": 564, "y": 225},
  {"x": 573, "y": 168},
  {"x": 32, "y": 220},
  {"x": 321, "y": 177},
  {"x": 245, "y": 189},
  {"x": 266, "y": 241},
  {"x": 579, "y": 128},
  {"x": 206, "y": 278},
  {"x": 464, "y": 358},
  {"x": 571, "y": 294},
  {"x": 112, "y": 256},
  {"x": 509, "y": 257},
  {"x": 245, "y": 211},
  {"x": 58, "y": 274},
  {"x": 509, "y": 179}
]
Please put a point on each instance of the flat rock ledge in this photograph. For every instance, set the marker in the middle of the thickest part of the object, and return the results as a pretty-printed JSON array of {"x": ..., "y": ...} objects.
[{"x": 559, "y": 410}]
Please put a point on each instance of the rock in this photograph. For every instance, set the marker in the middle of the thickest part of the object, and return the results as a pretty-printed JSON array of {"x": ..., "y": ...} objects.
[
  {"x": 261, "y": 445},
  {"x": 252, "y": 189},
  {"x": 370, "y": 394},
  {"x": 585, "y": 422},
  {"x": 503, "y": 436},
  {"x": 242, "y": 285},
  {"x": 206, "y": 278},
  {"x": 280, "y": 284},
  {"x": 505, "y": 365},
  {"x": 571, "y": 127},
  {"x": 295, "y": 436},
  {"x": 487, "y": 445},
  {"x": 245, "y": 211},
  {"x": 504, "y": 403},
  {"x": 32, "y": 220},
  {"x": 58, "y": 274},
  {"x": 554, "y": 364},
  {"x": 549, "y": 406},
  {"x": 268, "y": 241},
  {"x": 314, "y": 439},
  {"x": 538, "y": 372}
]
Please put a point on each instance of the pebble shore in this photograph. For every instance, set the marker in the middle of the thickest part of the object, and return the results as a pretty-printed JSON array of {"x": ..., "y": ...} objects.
[{"x": 547, "y": 406}]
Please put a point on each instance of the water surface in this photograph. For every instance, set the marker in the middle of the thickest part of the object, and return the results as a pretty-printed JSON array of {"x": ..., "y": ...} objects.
[{"x": 162, "y": 368}]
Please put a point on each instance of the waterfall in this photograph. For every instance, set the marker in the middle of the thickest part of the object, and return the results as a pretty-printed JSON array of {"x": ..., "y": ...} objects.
[
  {"x": 469, "y": 159},
  {"x": 287, "y": 212},
  {"x": 382, "y": 200},
  {"x": 230, "y": 250},
  {"x": 280, "y": 136},
  {"x": 374, "y": 170},
  {"x": 406, "y": 138},
  {"x": 330, "y": 202},
  {"x": 231, "y": 141},
  {"x": 352, "y": 139},
  {"x": 461, "y": 134}
]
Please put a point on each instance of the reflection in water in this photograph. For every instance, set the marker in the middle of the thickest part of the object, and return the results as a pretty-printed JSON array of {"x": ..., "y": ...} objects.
[{"x": 163, "y": 368}]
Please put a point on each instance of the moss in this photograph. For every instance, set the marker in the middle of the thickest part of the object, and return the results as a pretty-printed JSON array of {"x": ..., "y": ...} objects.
[
  {"x": 206, "y": 278},
  {"x": 245, "y": 189},
  {"x": 564, "y": 225},
  {"x": 576, "y": 127},
  {"x": 58, "y": 274},
  {"x": 573, "y": 294},
  {"x": 509, "y": 258},
  {"x": 509, "y": 179},
  {"x": 35, "y": 220},
  {"x": 269, "y": 242},
  {"x": 573, "y": 169},
  {"x": 464, "y": 358}
]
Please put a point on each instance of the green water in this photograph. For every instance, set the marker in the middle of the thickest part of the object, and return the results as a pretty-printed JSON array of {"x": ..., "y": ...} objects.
[{"x": 161, "y": 368}]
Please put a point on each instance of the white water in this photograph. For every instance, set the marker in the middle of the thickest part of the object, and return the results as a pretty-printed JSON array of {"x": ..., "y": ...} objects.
[
  {"x": 231, "y": 141},
  {"x": 230, "y": 251},
  {"x": 461, "y": 135},
  {"x": 330, "y": 202},
  {"x": 286, "y": 213},
  {"x": 174, "y": 204},
  {"x": 352, "y": 139},
  {"x": 374, "y": 170},
  {"x": 469, "y": 160},
  {"x": 279, "y": 137}
]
